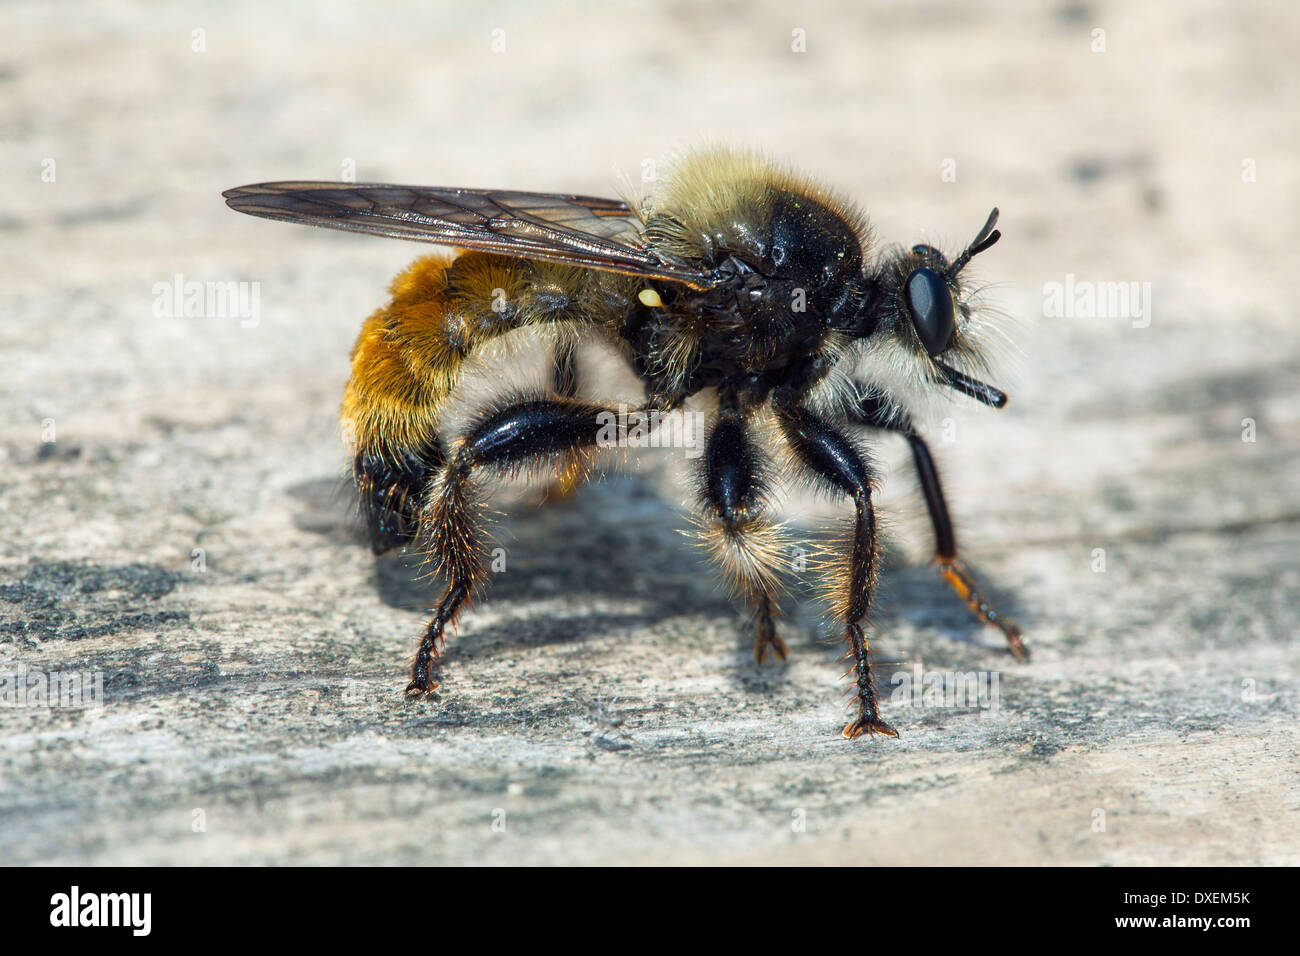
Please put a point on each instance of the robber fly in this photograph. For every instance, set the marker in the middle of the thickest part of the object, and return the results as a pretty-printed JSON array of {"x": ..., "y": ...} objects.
[{"x": 738, "y": 279}]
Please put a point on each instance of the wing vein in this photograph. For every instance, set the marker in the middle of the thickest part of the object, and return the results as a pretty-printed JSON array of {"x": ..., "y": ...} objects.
[{"x": 580, "y": 230}]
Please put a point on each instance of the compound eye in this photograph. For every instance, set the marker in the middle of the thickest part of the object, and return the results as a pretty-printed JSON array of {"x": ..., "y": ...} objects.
[{"x": 930, "y": 303}]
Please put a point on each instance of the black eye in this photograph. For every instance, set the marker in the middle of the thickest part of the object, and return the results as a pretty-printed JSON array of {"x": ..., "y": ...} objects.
[{"x": 930, "y": 303}]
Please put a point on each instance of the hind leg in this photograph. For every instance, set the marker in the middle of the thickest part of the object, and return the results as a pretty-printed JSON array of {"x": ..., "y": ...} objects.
[
  {"x": 390, "y": 490},
  {"x": 529, "y": 433}
]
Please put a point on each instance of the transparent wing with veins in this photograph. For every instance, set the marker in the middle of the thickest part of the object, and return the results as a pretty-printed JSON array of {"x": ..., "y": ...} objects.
[{"x": 578, "y": 230}]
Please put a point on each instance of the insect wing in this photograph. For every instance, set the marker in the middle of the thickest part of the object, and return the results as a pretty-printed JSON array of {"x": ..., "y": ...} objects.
[{"x": 580, "y": 230}]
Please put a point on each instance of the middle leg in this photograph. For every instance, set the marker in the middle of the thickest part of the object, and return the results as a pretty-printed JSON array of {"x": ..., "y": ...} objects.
[{"x": 740, "y": 537}]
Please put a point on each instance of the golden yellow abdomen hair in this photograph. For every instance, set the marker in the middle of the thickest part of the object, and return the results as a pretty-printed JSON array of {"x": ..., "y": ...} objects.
[{"x": 410, "y": 354}]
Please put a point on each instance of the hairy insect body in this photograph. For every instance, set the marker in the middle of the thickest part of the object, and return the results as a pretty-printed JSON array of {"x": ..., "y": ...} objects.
[
  {"x": 411, "y": 354},
  {"x": 788, "y": 260},
  {"x": 737, "y": 279}
]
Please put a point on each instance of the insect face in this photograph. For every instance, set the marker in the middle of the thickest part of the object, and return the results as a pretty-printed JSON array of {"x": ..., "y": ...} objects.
[{"x": 919, "y": 302}]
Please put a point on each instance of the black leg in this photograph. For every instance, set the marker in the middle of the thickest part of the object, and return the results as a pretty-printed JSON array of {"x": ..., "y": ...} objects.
[
  {"x": 836, "y": 463},
  {"x": 523, "y": 435},
  {"x": 877, "y": 414},
  {"x": 390, "y": 487},
  {"x": 740, "y": 537}
]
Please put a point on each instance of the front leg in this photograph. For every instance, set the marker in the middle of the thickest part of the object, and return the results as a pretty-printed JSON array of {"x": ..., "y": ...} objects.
[
  {"x": 833, "y": 461},
  {"x": 874, "y": 412}
]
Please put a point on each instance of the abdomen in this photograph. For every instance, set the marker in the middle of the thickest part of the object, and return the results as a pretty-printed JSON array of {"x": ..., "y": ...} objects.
[{"x": 410, "y": 356}]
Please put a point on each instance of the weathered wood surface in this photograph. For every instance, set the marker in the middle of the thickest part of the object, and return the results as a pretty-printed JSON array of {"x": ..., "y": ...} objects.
[{"x": 265, "y": 689}]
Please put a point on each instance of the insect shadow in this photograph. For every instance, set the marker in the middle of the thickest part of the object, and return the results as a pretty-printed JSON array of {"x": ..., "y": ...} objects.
[
  {"x": 615, "y": 543},
  {"x": 619, "y": 542}
]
